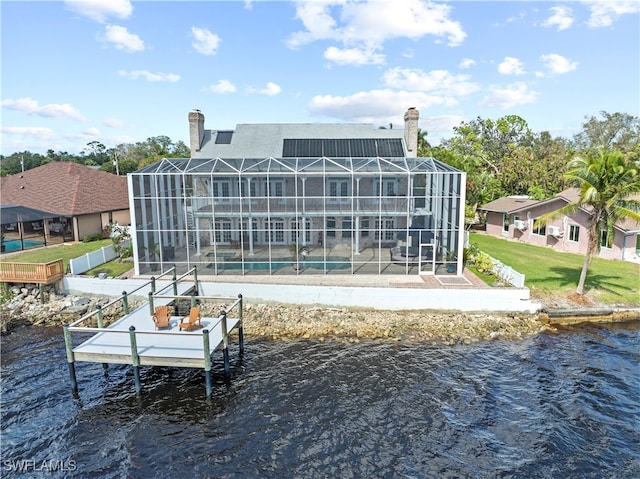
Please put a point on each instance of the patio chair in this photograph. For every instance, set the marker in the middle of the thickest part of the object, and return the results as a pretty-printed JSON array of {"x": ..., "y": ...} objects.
[
  {"x": 192, "y": 320},
  {"x": 161, "y": 317}
]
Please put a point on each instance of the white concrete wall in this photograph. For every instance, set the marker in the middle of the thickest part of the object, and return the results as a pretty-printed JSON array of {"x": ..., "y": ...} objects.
[{"x": 495, "y": 299}]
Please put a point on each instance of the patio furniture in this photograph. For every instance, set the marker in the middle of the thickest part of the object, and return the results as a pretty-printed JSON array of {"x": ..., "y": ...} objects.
[
  {"x": 192, "y": 320},
  {"x": 161, "y": 317}
]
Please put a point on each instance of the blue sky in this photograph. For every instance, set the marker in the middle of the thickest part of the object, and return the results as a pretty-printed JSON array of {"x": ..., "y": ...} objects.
[{"x": 117, "y": 71}]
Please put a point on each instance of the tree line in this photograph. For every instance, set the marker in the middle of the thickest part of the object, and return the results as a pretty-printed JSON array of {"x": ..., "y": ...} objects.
[
  {"x": 121, "y": 159},
  {"x": 501, "y": 157}
]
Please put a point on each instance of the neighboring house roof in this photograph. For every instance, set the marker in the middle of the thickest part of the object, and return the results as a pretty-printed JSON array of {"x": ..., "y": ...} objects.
[
  {"x": 65, "y": 188},
  {"x": 518, "y": 204},
  {"x": 273, "y": 140},
  {"x": 508, "y": 204}
]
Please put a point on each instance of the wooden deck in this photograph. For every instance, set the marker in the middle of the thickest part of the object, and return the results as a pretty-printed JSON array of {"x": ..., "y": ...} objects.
[
  {"x": 40, "y": 273},
  {"x": 167, "y": 347}
]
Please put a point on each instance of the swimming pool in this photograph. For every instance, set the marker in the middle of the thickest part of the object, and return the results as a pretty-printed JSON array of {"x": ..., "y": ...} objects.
[
  {"x": 316, "y": 262},
  {"x": 14, "y": 244}
]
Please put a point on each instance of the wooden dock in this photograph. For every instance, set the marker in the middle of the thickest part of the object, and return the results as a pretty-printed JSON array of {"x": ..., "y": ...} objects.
[{"x": 133, "y": 339}]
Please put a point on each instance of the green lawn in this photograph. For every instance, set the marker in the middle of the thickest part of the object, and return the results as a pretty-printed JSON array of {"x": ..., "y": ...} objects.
[
  {"x": 69, "y": 251},
  {"x": 550, "y": 272}
]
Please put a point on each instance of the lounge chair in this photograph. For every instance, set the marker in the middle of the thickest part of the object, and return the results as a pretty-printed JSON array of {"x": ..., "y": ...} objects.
[
  {"x": 192, "y": 320},
  {"x": 161, "y": 317}
]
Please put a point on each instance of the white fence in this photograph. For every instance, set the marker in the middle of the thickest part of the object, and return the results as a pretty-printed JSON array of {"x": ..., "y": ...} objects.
[
  {"x": 507, "y": 273},
  {"x": 95, "y": 258}
]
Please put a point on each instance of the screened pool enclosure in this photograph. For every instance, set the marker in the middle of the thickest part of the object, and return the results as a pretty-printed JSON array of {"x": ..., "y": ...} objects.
[{"x": 299, "y": 216}]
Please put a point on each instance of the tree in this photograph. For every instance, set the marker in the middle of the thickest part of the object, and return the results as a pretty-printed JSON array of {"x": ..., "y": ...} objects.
[
  {"x": 609, "y": 190},
  {"x": 619, "y": 131}
]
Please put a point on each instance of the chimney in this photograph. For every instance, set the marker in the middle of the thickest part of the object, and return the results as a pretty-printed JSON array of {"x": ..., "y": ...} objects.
[
  {"x": 411, "y": 131},
  {"x": 196, "y": 130}
]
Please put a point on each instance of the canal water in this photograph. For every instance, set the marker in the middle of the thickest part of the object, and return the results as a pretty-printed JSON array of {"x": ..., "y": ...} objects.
[{"x": 560, "y": 404}]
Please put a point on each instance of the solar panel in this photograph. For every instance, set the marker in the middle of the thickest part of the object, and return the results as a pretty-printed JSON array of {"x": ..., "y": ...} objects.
[
  {"x": 342, "y": 147},
  {"x": 224, "y": 137}
]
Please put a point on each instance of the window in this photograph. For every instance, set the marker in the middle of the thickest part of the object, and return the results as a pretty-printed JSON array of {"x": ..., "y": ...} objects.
[
  {"x": 364, "y": 227},
  {"x": 223, "y": 231},
  {"x": 606, "y": 239},
  {"x": 338, "y": 189},
  {"x": 276, "y": 188},
  {"x": 330, "y": 227},
  {"x": 221, "y": 189},
  {"x": 574, "y": 233},
  {"x": 538, "y": 229},
  {"x": 294, "y": 231},
  {"x": 505, "y": 222},
  {"x": 346, "y": 227},
  {"x": 276, "y": 231},
  {"x": 389, "y": 187},
  {"x": 384, "y": 229}
]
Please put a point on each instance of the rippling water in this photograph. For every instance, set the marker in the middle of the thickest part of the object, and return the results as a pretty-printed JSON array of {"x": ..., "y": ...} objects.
[{"x": 557, "y": 405}]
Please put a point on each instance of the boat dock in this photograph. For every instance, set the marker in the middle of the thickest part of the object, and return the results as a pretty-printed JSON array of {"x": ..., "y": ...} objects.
[{"x": 133, "y": 339}]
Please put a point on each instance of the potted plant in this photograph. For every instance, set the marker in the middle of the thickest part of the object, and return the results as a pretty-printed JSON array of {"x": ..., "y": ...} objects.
[{"x": 451, "y": 258}]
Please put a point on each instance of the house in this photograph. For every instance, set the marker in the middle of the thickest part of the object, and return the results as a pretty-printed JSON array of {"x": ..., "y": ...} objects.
[
  {"x": 513, "y": 217},
  {"x": 299, "y": 199},
  {"x": 85, "y": 199}
]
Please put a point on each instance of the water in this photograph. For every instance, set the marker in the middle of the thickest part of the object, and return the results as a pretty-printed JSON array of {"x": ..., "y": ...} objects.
[
  {"x": 15, "y": 245},
  {"x": 317, "y": 262},
  {"x": 558, "y": 405}
]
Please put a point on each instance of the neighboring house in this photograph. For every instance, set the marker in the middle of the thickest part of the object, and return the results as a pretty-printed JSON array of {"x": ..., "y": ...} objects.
[
  {"x": 85, "y": 199},
  {"x": 299, "y": 199},
  {"x": 514, "y": 217}
]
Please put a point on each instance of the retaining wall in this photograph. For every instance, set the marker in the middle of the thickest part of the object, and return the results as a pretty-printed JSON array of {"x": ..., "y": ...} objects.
[{"x": 497, "y": 299}]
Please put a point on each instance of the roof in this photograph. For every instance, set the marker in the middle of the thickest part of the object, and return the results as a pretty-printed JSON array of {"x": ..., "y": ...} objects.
[
  {"x": 264, "y": 140},
  {"x": 20, "y": 214},
  {"x": 67, "y": 189},
  {"x": 508, "y": 204},
  {"x": 515, "y": 204}
]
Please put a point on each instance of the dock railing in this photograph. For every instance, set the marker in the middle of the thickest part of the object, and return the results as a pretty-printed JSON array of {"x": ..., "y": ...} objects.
[{"x": 236, "y": 304}]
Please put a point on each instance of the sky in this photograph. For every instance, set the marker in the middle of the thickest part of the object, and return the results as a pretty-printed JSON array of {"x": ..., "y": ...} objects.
[{"x": 120, "y": 71}]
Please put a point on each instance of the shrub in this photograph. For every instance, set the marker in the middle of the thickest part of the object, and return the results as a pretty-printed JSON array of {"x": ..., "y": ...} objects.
[{"x": 483, "y": 263}]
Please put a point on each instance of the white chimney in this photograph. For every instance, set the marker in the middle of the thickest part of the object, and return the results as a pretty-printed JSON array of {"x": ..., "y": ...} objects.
[
  {"x": 196, "y": 130},
  {"x": 411, "y": 131}
]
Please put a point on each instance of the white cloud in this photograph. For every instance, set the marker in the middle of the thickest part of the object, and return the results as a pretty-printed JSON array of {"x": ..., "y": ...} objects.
[
  {"x": 21, "y": 138},
  {"x": 557, "y": 64},
  {"x": 147, "y": 75},
  {"x": 122, "y": 39},
  {"x": 353, "y": 56},
  {"x": 507, "y": 97},
  {"x": 223, "y": 86},
  {"x": 99, "y": 10},
  {"x": 466, "y": 63},
  {"x": 561, "y": 18},
  {"x": 436, "y": 81},
  {"x": 52, "y": 110},
  {"x": 605, "y": 12},
  {"x": 270, "y": 90},
  {"x": 510, "y": 66},
  {"x": 379, "y": 107},
  {"x": 113, "y": 123},
  {"x": 204, "y": 42},
  {"x": 366, "y": 25}
]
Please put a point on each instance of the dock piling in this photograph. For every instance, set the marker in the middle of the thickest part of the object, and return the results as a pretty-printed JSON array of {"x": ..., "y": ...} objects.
[
  {"x": 125, "y": 302},
  {"x": 151, "y": 311},
  {"x": 207, "y": 363},
  {"x": 135, "y": 360},
  {"x": 175, "y": 282},
  {"x": 225, "y": 346},
  {"x": 70, "y": 361},
  {"x": 240, "y": 329}
]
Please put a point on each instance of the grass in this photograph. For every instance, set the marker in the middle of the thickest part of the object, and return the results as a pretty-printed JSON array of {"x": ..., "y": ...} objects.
[
  {"x": 68, "y": 251},
  {"x": 549, "y": 272}
]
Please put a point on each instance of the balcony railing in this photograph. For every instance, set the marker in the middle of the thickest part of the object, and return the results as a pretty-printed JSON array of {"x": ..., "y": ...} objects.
[{"x": 40, "y": 273}]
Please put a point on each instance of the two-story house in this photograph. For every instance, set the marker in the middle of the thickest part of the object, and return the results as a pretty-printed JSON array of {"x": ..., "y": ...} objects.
[{"x": 300, "y": 199}]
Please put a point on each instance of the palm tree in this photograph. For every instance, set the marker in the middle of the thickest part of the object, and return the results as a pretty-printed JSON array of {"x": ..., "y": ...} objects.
[{"x": 609, "y": 190}]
